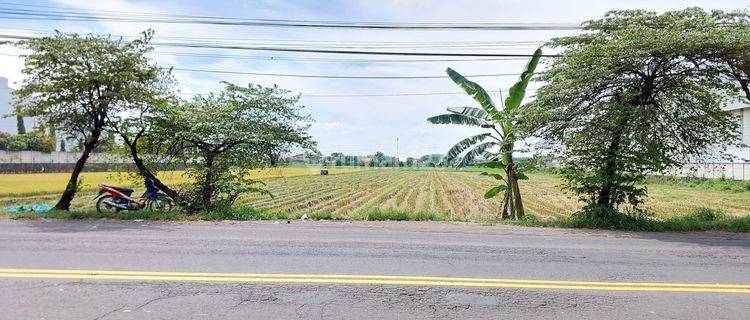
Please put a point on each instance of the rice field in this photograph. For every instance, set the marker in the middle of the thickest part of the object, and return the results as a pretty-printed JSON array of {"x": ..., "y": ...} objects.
[
  {"x": 29, "y": 184},
  {"x": 450, "y": 194}
]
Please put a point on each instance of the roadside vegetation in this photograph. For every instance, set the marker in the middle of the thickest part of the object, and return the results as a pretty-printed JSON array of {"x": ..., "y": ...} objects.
[
  {"x": 496, "y": 145},
  {"x": 638, "y": 92},
  {"x": 703, "y": 219}
]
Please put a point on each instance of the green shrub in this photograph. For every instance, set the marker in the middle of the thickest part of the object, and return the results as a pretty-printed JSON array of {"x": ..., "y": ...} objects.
[
  {"x": 702, "y": 214},
  {"x": 35, "y": 140},
  {"x": 397, "y": 215},
  {"x": 529, "y": 220}
]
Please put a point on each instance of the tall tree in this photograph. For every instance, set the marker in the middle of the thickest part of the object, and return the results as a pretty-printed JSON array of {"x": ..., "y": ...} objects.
[
  {"x": 219, "y": 154},
  {"x": 20, "y": 126},
  {"x": 498, "y": 144},
  {"x": 632, "y": 95},
  {"x": 53, "y": 135},
  {"x": 78, "y": 82},
  {"x": 729, "y": 34}
]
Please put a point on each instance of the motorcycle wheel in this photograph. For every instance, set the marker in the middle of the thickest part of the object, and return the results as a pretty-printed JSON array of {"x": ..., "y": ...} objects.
[
  {"x": 160, "y": 203},
  {"x": 103, "y": 207}
]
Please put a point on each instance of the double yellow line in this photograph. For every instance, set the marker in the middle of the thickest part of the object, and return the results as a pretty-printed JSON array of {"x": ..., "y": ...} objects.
[{"x": 369, "y": 280}]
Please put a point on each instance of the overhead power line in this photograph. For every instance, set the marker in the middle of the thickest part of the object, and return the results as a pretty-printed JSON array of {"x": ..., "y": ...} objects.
[
  {"x": 335, "y": 43},
  {"x": 295, "y": 42},
  {"x": 350, "y": 52},
  {"x": 355, "y": 95},
  {"x": 113, "y": 16},
  {"x": 370, "y": 95},
  {"x": 311, "y": 59},
  {"x": 320, "y": 76},
  {"x": 323, "y": 51},
  {"x": 354, "y": 60},
  {"x": 339, "y": 76}
]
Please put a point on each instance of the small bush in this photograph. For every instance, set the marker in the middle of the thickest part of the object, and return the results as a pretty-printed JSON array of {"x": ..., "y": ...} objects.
[
  {"x": 322, "y": 215},
  {"x": 397, "y": 215},
  {"x": 702, "y": 215},
  {"x": 606, "y": 218},
  {"x": 529, "y": 220}
]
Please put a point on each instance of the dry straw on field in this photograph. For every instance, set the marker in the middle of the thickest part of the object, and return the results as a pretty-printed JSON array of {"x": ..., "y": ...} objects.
[{"x": 445, "y": 194}]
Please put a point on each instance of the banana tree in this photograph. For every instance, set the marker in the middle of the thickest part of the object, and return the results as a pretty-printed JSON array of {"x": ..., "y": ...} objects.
[{"x": 498, "y": 143}]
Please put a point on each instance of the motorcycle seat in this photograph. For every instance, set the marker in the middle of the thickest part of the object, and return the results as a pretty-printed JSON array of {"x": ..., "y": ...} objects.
[{"x": 125, "y": 191}]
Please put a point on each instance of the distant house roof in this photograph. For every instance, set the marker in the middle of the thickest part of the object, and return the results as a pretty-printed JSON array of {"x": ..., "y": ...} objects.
[{"x": 736, "y": 105}]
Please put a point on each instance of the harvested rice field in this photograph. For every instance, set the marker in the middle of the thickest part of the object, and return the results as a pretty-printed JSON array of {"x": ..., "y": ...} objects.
[{"x": 352, "y": 194}]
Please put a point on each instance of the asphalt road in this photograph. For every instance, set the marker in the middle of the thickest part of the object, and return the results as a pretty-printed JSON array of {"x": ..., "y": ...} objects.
[{"x": 311, "y": 249}]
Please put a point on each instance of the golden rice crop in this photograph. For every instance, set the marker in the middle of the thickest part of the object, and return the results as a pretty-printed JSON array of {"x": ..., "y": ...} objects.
[{"x": 26, "y": 184}]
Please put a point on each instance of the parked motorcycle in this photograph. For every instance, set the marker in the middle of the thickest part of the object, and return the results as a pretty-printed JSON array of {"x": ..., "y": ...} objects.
[{"x": 115, "y": 199}]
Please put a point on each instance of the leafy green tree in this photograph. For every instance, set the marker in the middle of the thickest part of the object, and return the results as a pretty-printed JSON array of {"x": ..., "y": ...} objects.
[
  {"x": 20, "y": 126},
  {"x": 379, "y": 159},
  {"x": 409, "y": 162},
  {"x": 62, "y": 145},
  {"x": 502, "y": 134},
  {"x": 78, "y": 82},
  {"x": 634, "y": 94},
  {"x": 53, "y": 135},
  {"x": 18, "y": 143},
  {"x": 11, "y": 142},
  {"x": 727, "y": 42},
  {"x": 222, "y": 135},
  {"x": 431, "y": 159},
  {"x": 39, "y": 140},
  {"x": 139, "y": 130}
]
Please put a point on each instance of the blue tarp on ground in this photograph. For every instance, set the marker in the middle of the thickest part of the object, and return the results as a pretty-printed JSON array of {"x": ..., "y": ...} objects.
[{"x": 39, "y": 207}]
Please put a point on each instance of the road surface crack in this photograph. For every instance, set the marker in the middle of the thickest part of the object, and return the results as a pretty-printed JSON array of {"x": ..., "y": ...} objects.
[{"x": 110, "y": 312}]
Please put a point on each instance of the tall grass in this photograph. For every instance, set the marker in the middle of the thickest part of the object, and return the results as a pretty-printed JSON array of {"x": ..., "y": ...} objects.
[
  {"x": 721, "y": 184},
  {"x": 702, "y": 219}
]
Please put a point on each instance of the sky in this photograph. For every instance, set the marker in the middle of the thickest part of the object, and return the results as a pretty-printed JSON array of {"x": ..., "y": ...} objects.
[{"x": 352, "y": 125}]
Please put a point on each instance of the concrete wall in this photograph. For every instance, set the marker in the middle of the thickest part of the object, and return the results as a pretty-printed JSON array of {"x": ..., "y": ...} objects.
[
  {"x": 734, "y": 171},
  {"x": 30, "y": 157},
  {"x": 34, "y": 161}
]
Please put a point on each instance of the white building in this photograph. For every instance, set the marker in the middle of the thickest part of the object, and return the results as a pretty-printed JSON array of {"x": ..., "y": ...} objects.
[
  {"x": 7, "y": 124},
  {"x": 742, "y": 150},
  {"x": 7, "y": 121}
]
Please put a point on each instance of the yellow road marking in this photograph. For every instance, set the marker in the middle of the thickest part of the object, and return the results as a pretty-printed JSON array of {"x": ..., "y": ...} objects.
[{"x": 371, "y": 280}]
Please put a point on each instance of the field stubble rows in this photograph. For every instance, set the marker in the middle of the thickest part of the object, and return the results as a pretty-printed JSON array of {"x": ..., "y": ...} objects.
[{"x": 447, "y": 194}]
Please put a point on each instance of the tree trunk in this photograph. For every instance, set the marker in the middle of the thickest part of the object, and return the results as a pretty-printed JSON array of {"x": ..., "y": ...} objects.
[
  {"x": 604, "y": 199},
  {"x": 515, "y": 191},
  {"x": 504, "y": 210},
  {"x": 745, "y": 85},
  {"x": 207, "y": 190},
  {"x": 72, "y": 186},
  {"x": 144, "y": 171}
]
